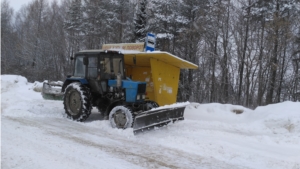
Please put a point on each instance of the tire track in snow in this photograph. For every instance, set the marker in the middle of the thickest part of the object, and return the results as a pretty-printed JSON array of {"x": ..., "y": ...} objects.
[{"x": 144, "y": 155}]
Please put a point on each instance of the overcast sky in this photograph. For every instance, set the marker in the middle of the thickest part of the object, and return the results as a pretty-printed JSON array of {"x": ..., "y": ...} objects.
[{"x": 17, "y": 4}]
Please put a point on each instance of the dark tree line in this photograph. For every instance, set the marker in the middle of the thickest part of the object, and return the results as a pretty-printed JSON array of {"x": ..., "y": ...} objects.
[{"x": 247, "y": 50}]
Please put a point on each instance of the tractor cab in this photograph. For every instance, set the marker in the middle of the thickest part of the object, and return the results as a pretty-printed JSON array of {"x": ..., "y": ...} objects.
[{"x": 97, "y": 67}]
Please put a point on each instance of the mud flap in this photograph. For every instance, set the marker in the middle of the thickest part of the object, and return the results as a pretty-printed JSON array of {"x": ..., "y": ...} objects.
[
  {"x": 157, "y": 118},
  {"x": 52, "y": 92}
]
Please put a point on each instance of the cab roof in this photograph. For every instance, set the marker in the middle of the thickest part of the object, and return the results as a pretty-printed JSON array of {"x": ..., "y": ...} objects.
[{"x": 143, "y": 59}]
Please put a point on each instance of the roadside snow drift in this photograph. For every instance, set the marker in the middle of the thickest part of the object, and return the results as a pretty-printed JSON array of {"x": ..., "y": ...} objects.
[{"x": 36, "y": 134}]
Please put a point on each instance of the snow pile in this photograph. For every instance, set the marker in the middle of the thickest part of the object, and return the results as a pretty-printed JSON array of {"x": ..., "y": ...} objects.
[
  {"x": 225, "y": 113},
  {"x": 37, "y": 86},
  {"x": 280, "y": 118},
  {"x": 19, "y": 98},
  {"x": 12, "y": 81},
  {"x": 37, "y": 134},
  {"x": 281, "y": 115}
]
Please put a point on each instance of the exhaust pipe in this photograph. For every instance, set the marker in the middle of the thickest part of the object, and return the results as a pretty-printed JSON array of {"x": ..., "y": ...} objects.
[{"x": 119, "y": 80}]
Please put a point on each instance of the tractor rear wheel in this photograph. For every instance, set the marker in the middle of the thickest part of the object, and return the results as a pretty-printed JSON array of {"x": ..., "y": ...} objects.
[
  {"x": 77, "y": 102},
  {"x": 121, "y": 117}
]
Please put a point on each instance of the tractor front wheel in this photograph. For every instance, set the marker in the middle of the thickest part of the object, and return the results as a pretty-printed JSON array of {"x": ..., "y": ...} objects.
[
  {"x": 121, "y": 117},
  {"x": 151, "y": 104},
  {"x": 77, "y": 102}
]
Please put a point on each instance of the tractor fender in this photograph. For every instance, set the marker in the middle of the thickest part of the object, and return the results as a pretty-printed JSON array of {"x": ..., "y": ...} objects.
[
  {"x": 112, "y": 105},
  {"x": 71, "y": 80}
]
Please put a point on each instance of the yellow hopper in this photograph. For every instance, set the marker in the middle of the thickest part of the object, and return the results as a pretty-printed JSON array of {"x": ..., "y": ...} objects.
[{"x": 161, "y": 72}]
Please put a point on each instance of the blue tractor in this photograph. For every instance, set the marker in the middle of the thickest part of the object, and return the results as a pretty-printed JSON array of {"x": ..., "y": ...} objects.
[{"x": 99, "y": 81}]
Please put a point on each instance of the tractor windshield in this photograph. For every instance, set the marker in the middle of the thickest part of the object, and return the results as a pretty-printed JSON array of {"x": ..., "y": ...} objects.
[{"x": 79, "y": 67}]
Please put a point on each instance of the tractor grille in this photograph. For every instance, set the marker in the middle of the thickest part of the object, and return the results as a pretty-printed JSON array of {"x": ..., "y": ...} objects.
[{"x": 141, "y": 88}]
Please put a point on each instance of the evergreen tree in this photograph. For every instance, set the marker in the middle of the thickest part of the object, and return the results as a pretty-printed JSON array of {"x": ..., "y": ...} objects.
[
  {"x": 74, "y": 26},
  {"x": 140, "y": 22},
  {"x": 162, "y": 22},
  {"x": 97, "y": 22}
]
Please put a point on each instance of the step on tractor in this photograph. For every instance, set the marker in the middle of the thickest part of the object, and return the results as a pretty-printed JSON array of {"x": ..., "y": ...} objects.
[{"x": 127, "y": 88}]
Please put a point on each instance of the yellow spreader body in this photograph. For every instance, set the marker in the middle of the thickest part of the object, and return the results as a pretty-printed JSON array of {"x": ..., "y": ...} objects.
[{"x": 161, "y": 72}]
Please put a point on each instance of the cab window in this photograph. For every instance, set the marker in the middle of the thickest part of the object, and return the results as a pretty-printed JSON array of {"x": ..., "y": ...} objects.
[{"x": 79, "y": 67}]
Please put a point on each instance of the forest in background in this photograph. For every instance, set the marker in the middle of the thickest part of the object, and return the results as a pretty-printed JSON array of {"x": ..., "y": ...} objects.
[{"x": 248, "y": 51}]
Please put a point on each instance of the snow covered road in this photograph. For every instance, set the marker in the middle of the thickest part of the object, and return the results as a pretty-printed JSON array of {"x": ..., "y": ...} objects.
[{"x": 36, "y": 134}]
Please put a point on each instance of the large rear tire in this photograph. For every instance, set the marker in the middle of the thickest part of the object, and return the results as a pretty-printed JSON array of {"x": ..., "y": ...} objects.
[
  {"x": 77, "y": 102},
  {"x": 121, "y": 117}
]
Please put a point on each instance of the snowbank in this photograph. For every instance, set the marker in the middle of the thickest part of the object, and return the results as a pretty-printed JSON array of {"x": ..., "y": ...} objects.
[
  {"x": 19, "y": 98},
  {"x": 37, "y": 86},
  {"x": 12, "y": 81},
  {"x": 225, "y": 113},
  {"x": 281, "y": 117}
]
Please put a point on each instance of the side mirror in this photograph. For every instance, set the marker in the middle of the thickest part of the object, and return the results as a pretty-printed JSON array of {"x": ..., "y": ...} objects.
[
  {"x": 72, "y": 58},
  {"x": 86, "y": 60}
]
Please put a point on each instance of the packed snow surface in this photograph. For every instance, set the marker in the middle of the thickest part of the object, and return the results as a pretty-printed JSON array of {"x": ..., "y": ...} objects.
[{"x": 36, "y": 134}]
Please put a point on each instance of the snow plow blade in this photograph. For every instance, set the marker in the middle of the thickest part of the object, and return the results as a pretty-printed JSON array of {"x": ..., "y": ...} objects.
[
  {"x": 157, "y": 118},
  {"x": 52, "y": 91}
]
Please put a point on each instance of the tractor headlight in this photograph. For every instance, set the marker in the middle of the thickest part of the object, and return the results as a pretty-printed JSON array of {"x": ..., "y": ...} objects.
[
  {"x": 138, "y": 97},
  {"x": 143, "y": 96}
]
